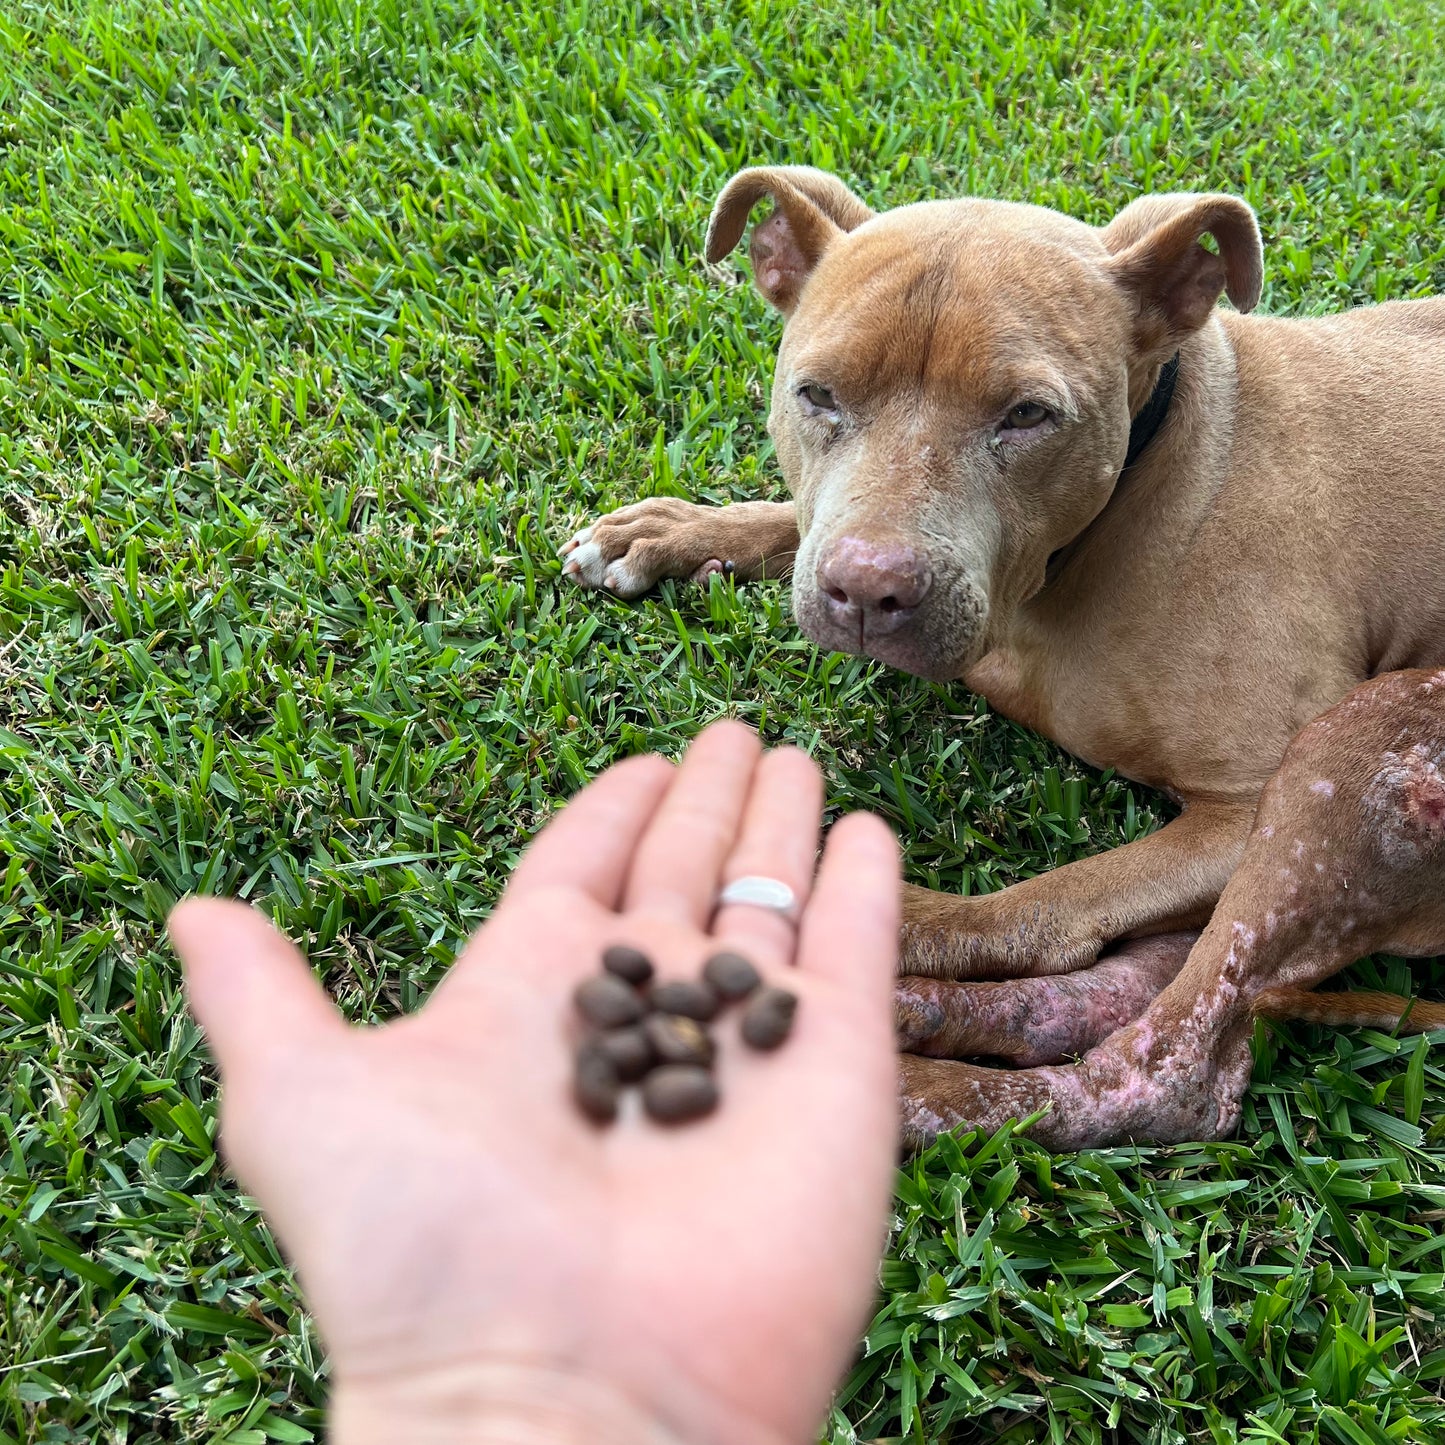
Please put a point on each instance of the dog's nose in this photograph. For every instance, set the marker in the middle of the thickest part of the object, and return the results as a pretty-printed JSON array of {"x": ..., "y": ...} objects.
[{"x": 879, "y": 584}]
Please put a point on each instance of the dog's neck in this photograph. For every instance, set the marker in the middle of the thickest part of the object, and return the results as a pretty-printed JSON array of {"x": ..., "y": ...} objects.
[{"x": 1142, "y": 430}]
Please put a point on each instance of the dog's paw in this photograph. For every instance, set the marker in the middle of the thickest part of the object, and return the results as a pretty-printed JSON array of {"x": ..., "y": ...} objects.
[{"x": 634, "y": 548}]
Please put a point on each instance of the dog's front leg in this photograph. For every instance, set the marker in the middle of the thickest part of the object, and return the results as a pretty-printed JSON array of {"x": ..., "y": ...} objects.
[
  {"x": 632, "y": 549},
  {"x": 1044, "y": 1020},
  {"x": 1177, "y": 1072},
  {"x": 1347, "y": 857},
  {"x": 1060, "y": 921},
  {"x": 1163, "y": 1079}
]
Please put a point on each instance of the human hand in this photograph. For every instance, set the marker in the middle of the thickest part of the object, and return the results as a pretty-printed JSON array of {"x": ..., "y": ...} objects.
[{"x": 486, "y": 1264}]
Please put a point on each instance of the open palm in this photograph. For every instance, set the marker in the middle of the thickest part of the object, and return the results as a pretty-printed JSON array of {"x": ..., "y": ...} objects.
[{"x": 467, "y": 1240}]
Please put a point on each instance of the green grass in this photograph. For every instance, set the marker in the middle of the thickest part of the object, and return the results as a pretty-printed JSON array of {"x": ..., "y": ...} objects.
[{"x": 320, "y": 326}]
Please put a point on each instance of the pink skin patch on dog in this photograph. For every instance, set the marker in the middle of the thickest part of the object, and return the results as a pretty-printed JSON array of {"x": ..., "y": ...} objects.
[
  {"x": 1323, "y": 787},
  {"x": 1407, "y": 800},
  {"x": 1182, "y": 1080},
  {"x": 1042, "y": 1020},
  {"x": 1140, "y": 1085}
]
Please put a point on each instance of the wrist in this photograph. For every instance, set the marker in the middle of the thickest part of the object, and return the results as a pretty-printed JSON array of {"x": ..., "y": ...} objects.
[{"x": 490, "y": 1403}]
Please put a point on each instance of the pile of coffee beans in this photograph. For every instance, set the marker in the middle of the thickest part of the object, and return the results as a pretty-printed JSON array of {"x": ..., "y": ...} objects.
[{"x": 656, "y": 1033}]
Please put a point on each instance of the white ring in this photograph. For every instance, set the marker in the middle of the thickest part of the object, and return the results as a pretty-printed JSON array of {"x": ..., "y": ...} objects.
[{"x": 760, "y": 892}]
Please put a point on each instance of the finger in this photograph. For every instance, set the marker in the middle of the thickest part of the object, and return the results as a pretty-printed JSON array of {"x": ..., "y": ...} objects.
[
  {"x": 525, "y": 958},
  {"x": 779, "y": 839},
  {"x": 249, "y": 986},
  {"x": 850, "y": 930},
  {"x": 589, "y": 844},
  {"x": 677, "y": 865}
]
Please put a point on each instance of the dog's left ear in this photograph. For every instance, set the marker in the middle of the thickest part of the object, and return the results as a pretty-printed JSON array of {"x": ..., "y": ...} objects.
[
  {"x": 1157, "y": 256},
  {"x": 813, "y": 209}
]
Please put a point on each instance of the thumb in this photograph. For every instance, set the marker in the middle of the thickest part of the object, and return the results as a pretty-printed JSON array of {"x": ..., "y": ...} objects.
[{"x": 248, "y": 985}]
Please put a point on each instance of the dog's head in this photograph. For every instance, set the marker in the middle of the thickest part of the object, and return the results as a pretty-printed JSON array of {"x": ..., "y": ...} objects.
[{"x": 954, "y": 389}]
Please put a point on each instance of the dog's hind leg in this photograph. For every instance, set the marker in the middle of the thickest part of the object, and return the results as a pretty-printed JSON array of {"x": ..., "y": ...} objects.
[
  {"x": 1062, "y": 921},
  {"x": 1347, "y": 857},
  {"x": 1044, "y": 1020}
]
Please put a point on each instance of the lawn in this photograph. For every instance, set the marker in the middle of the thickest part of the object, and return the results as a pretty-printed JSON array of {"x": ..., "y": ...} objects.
[{"x": 321, "y": 325}]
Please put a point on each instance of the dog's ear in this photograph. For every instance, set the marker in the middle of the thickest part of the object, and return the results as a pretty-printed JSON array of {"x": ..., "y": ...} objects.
[
  {"x": 1157, "y": 256},
  {"x": 812, "y": 210}
]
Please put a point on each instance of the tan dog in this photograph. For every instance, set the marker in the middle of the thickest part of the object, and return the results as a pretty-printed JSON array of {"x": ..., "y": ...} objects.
[{"x": 959, "y": 387}]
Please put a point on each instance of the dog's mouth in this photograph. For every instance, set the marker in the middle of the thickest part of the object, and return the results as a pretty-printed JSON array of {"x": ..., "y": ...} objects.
[
  {"x": 925, "y": 643},
  {"x": 919, "y": 662}
]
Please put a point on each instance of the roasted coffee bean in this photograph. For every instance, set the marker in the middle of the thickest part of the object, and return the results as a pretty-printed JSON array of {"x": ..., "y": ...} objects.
[
  {"x": 678, "y": 1040},
  {"x": 608, "y": 1002},
  {"x": 731, "y": 975},
  {"x": 694, "y": 1000},
  {"x": 595, "y": 1082},
  {"x": 679, "y": 1091},
  {"x": 631, "y": 1053},
  {"x": 628, "y": 963},
  {"x": 768, "y": 1018}
]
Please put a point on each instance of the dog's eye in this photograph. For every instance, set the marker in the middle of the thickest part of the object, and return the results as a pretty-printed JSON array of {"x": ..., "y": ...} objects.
[
  {"x": 1026, "y": 416},
  {"x": 816, "y": 398}
]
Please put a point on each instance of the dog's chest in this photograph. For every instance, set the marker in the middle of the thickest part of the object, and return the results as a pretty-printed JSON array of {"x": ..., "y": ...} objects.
[{"x": 1177, "y": 729}]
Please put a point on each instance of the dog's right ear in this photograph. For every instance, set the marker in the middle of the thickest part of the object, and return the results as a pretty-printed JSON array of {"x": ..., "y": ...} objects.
[
  {"x": 1157, "y": 256},
  {"x": 812, "y": 210}
]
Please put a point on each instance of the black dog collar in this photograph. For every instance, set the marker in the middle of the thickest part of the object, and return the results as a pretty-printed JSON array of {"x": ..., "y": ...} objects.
[
  {"x": 1144, "y": 426},
  {"x": 1142, "y": 431}
]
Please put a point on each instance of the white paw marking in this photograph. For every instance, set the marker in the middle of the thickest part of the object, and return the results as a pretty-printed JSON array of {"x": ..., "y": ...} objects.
[
  {"x": 586, "y": 565},
  {"x": 624, "y": 580},
  {"x": 589, "y": 566}
]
